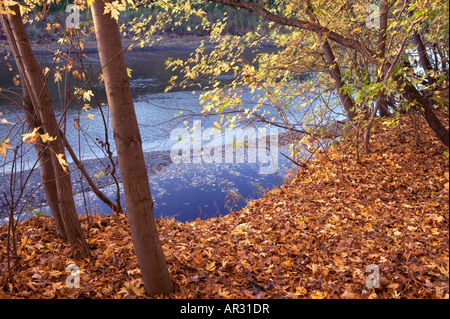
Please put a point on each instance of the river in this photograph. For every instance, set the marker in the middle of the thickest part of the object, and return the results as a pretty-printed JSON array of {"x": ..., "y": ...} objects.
[{"x": 185, "y": 191}]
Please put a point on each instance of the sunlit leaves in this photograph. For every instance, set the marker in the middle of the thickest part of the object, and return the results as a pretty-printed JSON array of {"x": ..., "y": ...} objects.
[
  {"x": 4, "y": 146},
  {"x": 87, "y": 95},
  {"x": 5, "y": 6},
  {"x": 62, "y": 162},
  {"x": 32, "y": 136},
  {"x": 115, "y": 7},
  {"x": 47, "y": 138},
  {"x": 57, "y": 77},
  {"x": 4, "y": 120},
  {"x": 86, "y": 107}
]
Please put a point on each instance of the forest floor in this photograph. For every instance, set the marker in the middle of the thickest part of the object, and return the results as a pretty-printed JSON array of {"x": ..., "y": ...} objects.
[{"x": 314, "y": 237}]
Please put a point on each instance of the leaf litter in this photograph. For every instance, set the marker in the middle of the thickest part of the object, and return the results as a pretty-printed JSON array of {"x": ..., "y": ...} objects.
[{"x": 311, "y": 238}]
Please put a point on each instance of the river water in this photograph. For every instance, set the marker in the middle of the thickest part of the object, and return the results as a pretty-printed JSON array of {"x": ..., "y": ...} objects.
[{"x": 184, "y": 190}]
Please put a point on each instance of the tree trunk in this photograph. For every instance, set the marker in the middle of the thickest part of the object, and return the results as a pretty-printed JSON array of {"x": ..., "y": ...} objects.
[
  {"x": 335, "y": 72},
  {"x": 45, "y": 165},
  {"x": 422, "y": 51},
  {"x": 138, "y": 199},
  {"x": 34, "y": 81},
  {"x": 42, "y": 152},
  {"x": 413, "y": 95},
  {"x": 346, "y": 100},
  {"x": 381, "y": 54}
]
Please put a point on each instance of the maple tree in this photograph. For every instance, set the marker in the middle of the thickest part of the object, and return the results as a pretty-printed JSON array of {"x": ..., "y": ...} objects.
[
  {"x": 334, "y": 44},
  {"x": 132, "y": 165},
  {"x": 40, "y": 111}
]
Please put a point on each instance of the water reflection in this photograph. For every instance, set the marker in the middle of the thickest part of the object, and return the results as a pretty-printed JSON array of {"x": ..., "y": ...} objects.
[{"x": 186, "y": 191}]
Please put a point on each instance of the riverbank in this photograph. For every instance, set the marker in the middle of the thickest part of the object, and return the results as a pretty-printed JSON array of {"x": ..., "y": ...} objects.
[
  {"x": 161, "y": 42},
  {"x": 311, "y": 238},
  {"x": 171, "y": 41}
]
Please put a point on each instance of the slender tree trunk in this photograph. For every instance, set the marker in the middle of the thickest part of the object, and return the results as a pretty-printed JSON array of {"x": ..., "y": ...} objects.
[
  {"x": 413, "y": 95},
  {"x": 45, "y": 165},
  {"x": 444, "y": 59},
  {"x": 381, "y": 54},
  {"x": 138, "y": 199},
  {"x": 346, "y": 100},
  {"x": 34, "y": 81},
  {"x": 422, "y": 51},
  {"x": 335, "y": 72},
  {"x": 43, "y": 153}
]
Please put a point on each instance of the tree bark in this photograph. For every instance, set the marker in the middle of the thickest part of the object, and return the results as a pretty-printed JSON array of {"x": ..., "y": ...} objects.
[
  {"x": 138, "y": 199},
  {"x": 42, "y": 152},
  {"x": 421, "y": 49},
  {"x": 335, "y": 72},
  {"x": 413, "y": 95},
  {"x": 45, "y": 165},
  {"x": 34, "y": 81},
  {"x": 381, "y": 54},
  {"x": 346, "y": 100},
  {"x": 422, "y": 52}
]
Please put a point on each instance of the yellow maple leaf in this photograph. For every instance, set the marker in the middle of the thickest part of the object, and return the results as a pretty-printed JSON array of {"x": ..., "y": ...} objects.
[
  {"x": 57, "y": 77},
  {"x": 86, "y": 107},
  {"x": 31, "y": 137},
  {"x": 4, "y": 146},
  {"x": 47, "y": 138},
  {"x": 114, "y": 9},
  {"x": 87, "y": 95},
  {"x": 62, "y": 162}
]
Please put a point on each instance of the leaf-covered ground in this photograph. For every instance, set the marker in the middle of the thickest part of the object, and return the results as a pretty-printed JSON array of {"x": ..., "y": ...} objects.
[{"x": 313, "y": 238}]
